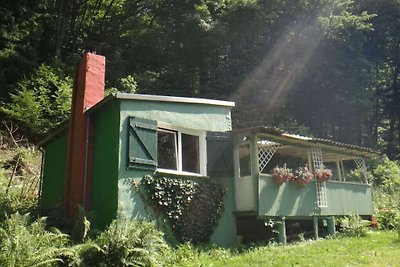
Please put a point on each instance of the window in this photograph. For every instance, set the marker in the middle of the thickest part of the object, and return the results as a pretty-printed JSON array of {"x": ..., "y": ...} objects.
[
  {"x": 181, "y": 151},
  {"x": 190, "y": 153},
  {"x": 167, "y": 150}
]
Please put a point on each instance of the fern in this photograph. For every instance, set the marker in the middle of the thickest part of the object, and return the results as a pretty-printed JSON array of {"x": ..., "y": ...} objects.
[
  {"x": 127, "y": 243},
  {"x": 29, "y": 244}
]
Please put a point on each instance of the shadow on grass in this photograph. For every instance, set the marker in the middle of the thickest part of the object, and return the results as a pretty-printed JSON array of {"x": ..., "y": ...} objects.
[{"x": 396, "y": 241}]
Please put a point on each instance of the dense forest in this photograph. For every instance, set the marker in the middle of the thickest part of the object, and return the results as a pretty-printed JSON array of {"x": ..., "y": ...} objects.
[{"x": 329, "y": 68}]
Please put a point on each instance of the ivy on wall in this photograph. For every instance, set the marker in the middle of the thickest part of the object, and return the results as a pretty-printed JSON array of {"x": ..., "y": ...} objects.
[{"x": 192, "y": 206}]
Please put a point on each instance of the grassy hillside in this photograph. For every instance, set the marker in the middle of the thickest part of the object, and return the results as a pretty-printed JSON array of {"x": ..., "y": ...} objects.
[{"x": 379, "y": 248}]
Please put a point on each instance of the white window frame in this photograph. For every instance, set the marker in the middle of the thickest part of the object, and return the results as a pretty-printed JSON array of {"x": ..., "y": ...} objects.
[{"x": 202, "y": 149}]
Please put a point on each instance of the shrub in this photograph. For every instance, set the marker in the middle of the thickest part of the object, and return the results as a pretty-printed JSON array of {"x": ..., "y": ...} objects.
[
  {"x": 386, "y": 193},
  {"x": 386, "y": 207},
  {"x": 387, "y": 174},
  {"x": 354, "y": 226},
  {"x": 126, "y": 243}
]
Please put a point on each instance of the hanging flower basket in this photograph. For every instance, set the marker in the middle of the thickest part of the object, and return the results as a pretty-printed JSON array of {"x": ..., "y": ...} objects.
[
  {"x": 281, "y": 174},
  {"x": 302, "y": 176},
  {"x": 323, "y": 175}
]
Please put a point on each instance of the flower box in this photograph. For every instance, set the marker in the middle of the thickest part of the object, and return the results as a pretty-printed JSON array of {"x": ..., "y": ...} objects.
[
  {"x": 281, "y": 174},
  {"x": 302, "y": 176},
  {"x": 323, "y": 175}
]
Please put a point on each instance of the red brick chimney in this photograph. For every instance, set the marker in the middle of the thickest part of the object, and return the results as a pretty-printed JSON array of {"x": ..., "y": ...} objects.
[{"x": 88, "y": 91}]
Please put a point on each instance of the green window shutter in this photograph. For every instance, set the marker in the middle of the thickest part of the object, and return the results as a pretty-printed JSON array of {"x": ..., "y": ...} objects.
[
  {"x": 142, "y": 150},
  {"x": 219, "y": 154}
]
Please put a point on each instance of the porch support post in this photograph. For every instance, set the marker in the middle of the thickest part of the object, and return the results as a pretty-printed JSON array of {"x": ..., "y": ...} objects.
[
  {"x": 309, "y": 158},
  {"x": 343, "y": 173},
  {"x": 282, "y": 231},
  {"x": 338, "y": 170},
  {"x": 315, "y": 225},
  {"x": 254, "y": 167},
  {"x": 331, "y": 225}
]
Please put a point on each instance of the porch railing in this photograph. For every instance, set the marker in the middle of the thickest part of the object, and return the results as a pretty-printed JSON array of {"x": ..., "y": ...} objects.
[{"x": 288, "y": 199}]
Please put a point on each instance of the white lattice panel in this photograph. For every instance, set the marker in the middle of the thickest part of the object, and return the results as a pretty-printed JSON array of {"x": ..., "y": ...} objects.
[
  {"x": 317, "y": 159},
  {"x": 318, "y": 162},
  {"x": 360, "y": 163},
  {"x": 322, "y": 200},
  {"x": 265, "y": 153}
]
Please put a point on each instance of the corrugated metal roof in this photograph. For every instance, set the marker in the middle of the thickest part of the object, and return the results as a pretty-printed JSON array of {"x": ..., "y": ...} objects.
[{"x": 304, "y": 139}]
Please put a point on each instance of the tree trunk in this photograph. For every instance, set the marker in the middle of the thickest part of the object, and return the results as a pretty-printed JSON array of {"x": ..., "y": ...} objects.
[{"x": 62, "y": 16}]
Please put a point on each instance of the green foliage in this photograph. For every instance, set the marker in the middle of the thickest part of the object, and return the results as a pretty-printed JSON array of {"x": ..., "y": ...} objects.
[
  {"x": 387, "y": 174},
  {"x": 126, "y": 243},
  {"x": 355, "y": 175},
  {"x": 30, "y": 244},
  {"x": 40, "y": 102},
  {"x": 127, "y": 84},
  {"x": 13, "y": 202},
  {"x": 342, "y": 20},
  {"x": 354, "y": 226},
  {"x": 328, "y": 66},
  {"x": 386, "y": 193},
  {"x": 386, "y": 208},
  {"x": 192, "y": 207}
]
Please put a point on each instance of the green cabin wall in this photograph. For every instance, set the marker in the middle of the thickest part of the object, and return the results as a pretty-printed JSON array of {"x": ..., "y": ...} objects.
[
  {"x": 105, "y": 164},
  {"x": 55, "y": 157},
  {"x": 290, "y": 199},
  {"x": 225, "y": 232},
  {"x": 188, "y": 115},
  {"x": 193, "y": 116}
]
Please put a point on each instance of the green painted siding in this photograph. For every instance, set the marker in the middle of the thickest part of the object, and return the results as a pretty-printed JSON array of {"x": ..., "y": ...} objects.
[
  {"x": 290, "y": 199},
  {"x": 287, "y": 199},
  {"x": 104, "y": 183},
  {"x": 348, "y": 198},
  {"x": 53, "y": 171},
  {"x": 193, "y": 116},
  {"x": 130, "y": 204},
  {"x": 225, "y": 232}
]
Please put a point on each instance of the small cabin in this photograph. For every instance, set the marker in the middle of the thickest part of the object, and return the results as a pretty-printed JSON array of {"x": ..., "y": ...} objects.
[{"x": 108, "y": 142}]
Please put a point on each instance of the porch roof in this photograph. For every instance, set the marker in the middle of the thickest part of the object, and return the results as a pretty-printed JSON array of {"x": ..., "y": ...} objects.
[{"x": 277, "y": 135}]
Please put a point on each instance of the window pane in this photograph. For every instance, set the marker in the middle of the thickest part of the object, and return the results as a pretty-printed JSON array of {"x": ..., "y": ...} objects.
[
  {"x": 244, "y": 160},
  {"x": 190, "y": 153},
  {"x": 167, "y": 150}
]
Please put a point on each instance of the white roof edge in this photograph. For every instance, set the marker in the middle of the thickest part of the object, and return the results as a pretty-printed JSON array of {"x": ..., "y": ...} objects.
[{"x": 162, "y": 98}]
